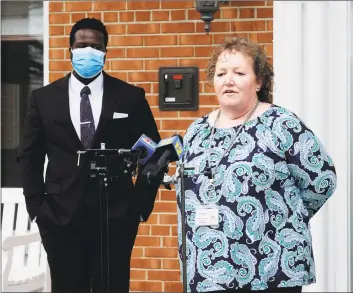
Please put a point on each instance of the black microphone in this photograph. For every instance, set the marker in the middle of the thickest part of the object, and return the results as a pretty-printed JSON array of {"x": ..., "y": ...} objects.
[
  {"x": 140, "y": 153},
  {"x": 144, "y": 148},
  {"x": 168, "y": 150}
]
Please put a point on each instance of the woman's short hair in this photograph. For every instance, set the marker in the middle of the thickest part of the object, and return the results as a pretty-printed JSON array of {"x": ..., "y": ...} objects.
[{"x": 262, "y": 67}]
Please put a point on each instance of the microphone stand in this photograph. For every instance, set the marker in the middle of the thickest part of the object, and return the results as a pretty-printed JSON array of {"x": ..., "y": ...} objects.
[
  {"x": 183, "y": 225},
  {"x": 100, "y": 171},
  {"x": 181, "y": 176}
]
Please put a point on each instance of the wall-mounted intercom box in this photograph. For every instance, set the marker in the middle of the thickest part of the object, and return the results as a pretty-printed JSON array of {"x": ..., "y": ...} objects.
[{"x": 178, "y": 88}]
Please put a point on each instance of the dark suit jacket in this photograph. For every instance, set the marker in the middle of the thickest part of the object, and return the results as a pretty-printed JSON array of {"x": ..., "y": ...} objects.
[{"x": 67, "y": 188}]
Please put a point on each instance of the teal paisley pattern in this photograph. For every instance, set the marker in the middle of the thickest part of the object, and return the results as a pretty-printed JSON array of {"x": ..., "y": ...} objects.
[{"x": 267, "y": 185}]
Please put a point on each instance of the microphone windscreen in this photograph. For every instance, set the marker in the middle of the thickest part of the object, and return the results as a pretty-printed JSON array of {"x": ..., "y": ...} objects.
[{"x": 146, "y": 146}]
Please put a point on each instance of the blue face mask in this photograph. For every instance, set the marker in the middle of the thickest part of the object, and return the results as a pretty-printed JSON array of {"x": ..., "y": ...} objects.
[{"x": 87, "y": 62}]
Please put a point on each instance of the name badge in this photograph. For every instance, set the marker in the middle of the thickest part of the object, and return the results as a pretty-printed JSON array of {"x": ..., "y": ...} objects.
[{"x": 206, "y": 216}]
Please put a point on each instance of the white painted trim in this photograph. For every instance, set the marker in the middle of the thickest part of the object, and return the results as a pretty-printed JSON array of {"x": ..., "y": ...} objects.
[
  {"x": 45, "y": 54},
  {"x": 350, "y": 135},
  {"x": 46, "y": 42},
  {"x": 339, "y": 143},
  {"x": 313, "y": 65}
]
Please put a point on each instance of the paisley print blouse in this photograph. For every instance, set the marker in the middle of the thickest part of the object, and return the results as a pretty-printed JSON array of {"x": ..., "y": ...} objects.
[{"x": 268, "y": 185}]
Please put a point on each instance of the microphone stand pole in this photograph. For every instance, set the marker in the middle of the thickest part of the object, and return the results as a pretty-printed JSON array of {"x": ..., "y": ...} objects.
[
  {"x": 167, "y": 183},
  {"x": 183, "y": 224}
]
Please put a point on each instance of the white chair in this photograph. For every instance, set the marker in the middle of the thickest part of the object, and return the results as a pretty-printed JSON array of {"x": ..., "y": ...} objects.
[{"x": 24, "y": 260}]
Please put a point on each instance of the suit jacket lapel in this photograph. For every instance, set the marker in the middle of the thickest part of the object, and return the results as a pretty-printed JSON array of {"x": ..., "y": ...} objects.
[
  {"x": 63, "y": 110},
  {"x": 108, "y": 106}
]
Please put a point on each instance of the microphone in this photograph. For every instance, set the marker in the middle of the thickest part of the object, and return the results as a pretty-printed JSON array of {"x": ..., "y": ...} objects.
[
  {"x": 168, "y": 150},
  {"x": 144, "y": 148}
]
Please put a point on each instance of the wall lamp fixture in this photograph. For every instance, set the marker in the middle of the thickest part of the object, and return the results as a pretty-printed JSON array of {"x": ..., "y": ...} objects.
[{"x": 207, "y": 9}]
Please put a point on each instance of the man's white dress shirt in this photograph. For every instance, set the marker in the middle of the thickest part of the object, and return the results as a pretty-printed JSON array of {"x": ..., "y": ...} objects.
[{"x": 95, "y": 98}]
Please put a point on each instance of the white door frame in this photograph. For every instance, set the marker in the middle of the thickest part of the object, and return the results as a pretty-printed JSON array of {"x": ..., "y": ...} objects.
[
  {"x": 19, "y": 191},
  {"x": 350, "y": 107},
  {"x": 313, "y": 64}
]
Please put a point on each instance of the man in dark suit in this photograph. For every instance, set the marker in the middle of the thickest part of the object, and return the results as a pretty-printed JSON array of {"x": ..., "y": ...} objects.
[{"x": 82, "y": 110}]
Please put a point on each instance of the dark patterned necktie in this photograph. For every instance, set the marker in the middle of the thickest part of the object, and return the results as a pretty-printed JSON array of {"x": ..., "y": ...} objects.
[{"x": 87, "y": 121}]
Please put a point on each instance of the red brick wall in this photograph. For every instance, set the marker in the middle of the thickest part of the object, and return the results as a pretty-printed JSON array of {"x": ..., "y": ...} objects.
[{"x": 144, "y": 35}]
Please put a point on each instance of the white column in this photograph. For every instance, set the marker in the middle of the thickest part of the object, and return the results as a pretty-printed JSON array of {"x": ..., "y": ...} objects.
[{"x": 312, "y": 56}]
